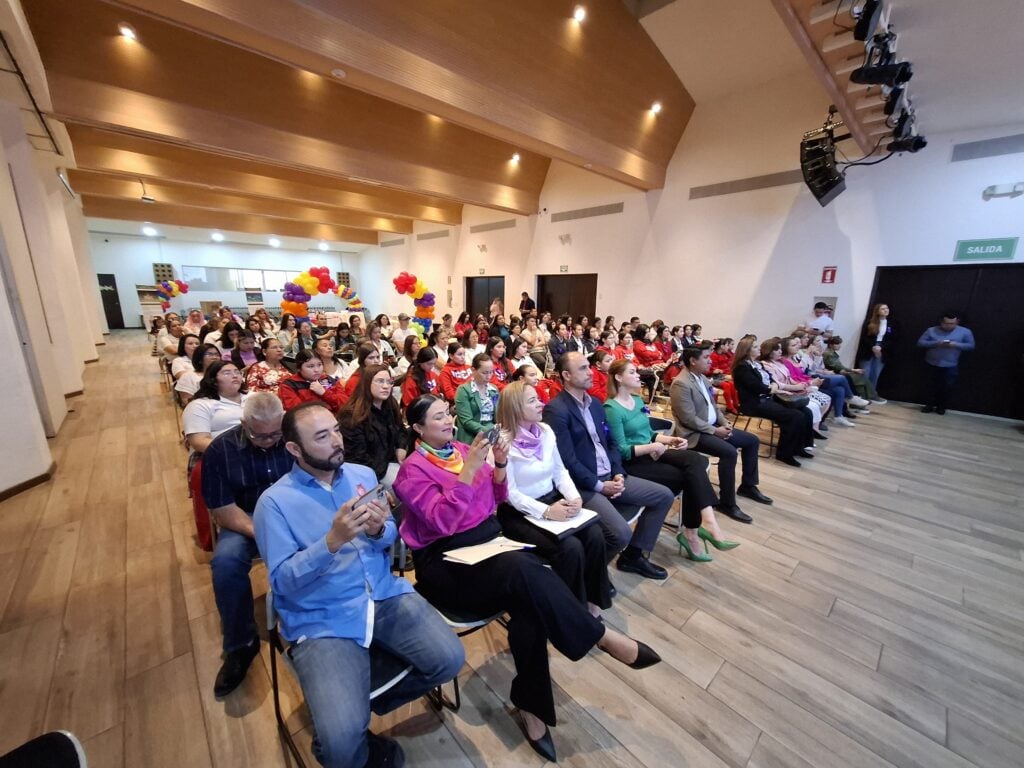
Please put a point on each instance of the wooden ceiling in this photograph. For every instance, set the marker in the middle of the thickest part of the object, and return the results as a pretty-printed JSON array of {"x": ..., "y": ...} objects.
[
  {"x": 823, "y": 32},
  {"x": 223, "y": 109}
]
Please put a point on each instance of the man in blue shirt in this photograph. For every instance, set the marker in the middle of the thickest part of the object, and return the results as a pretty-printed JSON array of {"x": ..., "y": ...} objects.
[
  {"x": 338, "y": 602},
  {"x": 238, "y": 466},
  {"x": 944, "y": 343}
]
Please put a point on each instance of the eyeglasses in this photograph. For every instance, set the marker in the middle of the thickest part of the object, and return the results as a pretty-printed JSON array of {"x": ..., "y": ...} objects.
[{"x": 270, "y": 436}]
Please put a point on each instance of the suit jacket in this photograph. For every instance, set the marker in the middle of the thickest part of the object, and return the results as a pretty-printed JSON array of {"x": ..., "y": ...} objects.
[
  {"x": 575, "y": 447},
  {"x": 577, "y": 345},
  {"x": 690, "y": 409},
  {"x": 558, "y": 347}
]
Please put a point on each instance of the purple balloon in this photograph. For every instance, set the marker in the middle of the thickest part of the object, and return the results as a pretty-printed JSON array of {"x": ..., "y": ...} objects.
[
  {"x": 428, "y": 299},
  {"x": 290, "y": 287}
]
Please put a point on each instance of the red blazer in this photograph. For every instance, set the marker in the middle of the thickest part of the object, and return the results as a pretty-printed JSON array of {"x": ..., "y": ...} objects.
[
  {"x": 547, "y": 389},
  {"x": 452, "y": 377},
  {"x": 410, "y": 390},
  {"x": 722, "y": 363},
  {"x": 645, "y": 354},
  {"x": 600, "y": 389},
  {"x": 295, "y": 390}
]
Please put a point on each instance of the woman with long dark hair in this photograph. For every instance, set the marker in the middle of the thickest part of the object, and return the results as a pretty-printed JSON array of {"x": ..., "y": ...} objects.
[
  {"x": 371, "y": 423},
  {"x": 875, "y": 345},
  {"x": 267, "y": 375},
  {"x": 422, "y": 377},
  {"x": 496, "y": 349},
  {"x": 203, "y": 357},
  {"x": 244, "y": 352}
]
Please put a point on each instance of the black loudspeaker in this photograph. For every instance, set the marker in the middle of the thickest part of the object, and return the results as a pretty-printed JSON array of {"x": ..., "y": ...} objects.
[{"x": 818, "y": 163}]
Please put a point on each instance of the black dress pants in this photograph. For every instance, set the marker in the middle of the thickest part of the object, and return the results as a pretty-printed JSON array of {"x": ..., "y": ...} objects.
[
  {"x": 795, "y": 426},
  {"x": 679, "y": 471},
  {"x": 540, "y": 606},
  {"x": 738, "y": 442},
  {"x": 579, "y": 559}
]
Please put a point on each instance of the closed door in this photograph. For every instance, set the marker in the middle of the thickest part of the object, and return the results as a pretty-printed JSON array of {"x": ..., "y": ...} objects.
[
  {"x": 481, "y": 291},
  {"x": 111, "y": 302},
  {"x": 567, "y": 294}
]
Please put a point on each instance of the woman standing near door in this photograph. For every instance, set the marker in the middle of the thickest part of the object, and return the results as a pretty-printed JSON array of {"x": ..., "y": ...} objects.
[{"x": 875, "y": 345}]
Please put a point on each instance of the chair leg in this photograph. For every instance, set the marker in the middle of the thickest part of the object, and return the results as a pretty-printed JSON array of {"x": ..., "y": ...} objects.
[
  {"x": 282, "y": 726},
  {"x": 439, "y": 701}
]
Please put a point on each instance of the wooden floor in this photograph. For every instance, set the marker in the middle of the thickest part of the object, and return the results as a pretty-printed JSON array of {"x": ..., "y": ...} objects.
[{"x": 874, "y": 616}]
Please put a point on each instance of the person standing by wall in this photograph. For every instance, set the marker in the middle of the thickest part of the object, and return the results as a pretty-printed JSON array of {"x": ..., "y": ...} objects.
[
  {"x": 875, "y": 345},
  {"x": 944, "y": 343}
]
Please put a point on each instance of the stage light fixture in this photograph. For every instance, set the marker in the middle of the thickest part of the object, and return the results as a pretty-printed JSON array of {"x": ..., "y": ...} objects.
[
  {"x": 894, "y": 102},
  {"x": 885, "y": 74},
  {"x": 903, "y": 125},
  {"x": 867, "y": 20},
  {"x": 910, "y": 144}
]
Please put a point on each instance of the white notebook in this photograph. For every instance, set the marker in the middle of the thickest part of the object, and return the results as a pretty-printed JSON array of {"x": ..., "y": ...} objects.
[
  {"x": 480, "y": 552},
  {"x": 561, "y": 528}
]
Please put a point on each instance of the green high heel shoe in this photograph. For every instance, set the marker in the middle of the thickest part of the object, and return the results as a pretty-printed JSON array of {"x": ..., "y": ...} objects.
[
  {"x": 720, "y": 544},
  {"x": 695, "y": 556}
]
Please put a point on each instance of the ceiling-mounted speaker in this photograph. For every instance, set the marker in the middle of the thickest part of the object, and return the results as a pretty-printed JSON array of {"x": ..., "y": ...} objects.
[
  {"x": 818, "y": 164},
  {"x": 867, "y": 20}
]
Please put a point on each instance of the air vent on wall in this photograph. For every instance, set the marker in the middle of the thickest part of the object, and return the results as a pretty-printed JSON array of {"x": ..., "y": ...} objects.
[
  {"x": 493, "y": 225},
  {"x": 344, "y": 278},
  {"x": 433, "y": 235},
  {"x": 747, "y": 185},
  {"x": 975, "y": 150},
  {"x": 162, "y": 272},
  {"x": 389, "y": 243},
  {"x": 586, "y": 213}
]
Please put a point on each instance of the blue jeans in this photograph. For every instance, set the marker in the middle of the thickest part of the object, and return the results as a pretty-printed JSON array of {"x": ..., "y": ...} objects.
[
  {"x": 232, "y": 561},
  {"x": 838, "y": 388},
  {"x": 335, "y": 675},
  {"x": 873, "y": 369}
]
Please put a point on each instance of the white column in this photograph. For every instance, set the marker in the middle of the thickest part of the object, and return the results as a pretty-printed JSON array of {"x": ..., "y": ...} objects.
[{"x": 86, "y": 269}]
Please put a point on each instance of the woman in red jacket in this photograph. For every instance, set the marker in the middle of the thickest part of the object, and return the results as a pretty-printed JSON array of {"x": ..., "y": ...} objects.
[
  {"x": 502, "y": 368},
  {"x": 421, "y": 378},
  {"x": 310, "y": 385},
  {"x": 546, "y": 388},
  {"x": 600, "y": 362},
  {"x": 366, "y": 354},
  {"x": 456, "y": 371},
  {"x": 722, "y": 359}
]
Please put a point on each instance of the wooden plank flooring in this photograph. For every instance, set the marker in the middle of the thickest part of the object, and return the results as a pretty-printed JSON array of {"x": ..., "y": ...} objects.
[{"x": 874, "y": 616}]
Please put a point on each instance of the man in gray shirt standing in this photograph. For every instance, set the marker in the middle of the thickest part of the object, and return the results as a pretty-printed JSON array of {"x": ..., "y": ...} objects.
[{"x": 944, "y": 343}]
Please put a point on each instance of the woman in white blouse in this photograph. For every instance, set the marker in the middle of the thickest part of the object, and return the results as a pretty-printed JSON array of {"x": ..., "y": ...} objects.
[
  {"x": 540, "y": 489},
  {"x": 182, "y": 364}
]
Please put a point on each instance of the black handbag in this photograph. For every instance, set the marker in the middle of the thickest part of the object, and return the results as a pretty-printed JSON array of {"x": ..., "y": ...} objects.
[{"x": 792, "y": 401}]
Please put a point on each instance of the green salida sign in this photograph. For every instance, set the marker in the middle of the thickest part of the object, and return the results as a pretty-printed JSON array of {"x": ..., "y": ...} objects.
[{"x": 999, "y": 249}]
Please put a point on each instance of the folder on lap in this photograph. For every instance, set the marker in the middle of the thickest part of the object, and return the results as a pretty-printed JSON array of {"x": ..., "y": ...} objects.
[
  {"x": 562, "y": 528},
  {"x": 480, "y": 552}
]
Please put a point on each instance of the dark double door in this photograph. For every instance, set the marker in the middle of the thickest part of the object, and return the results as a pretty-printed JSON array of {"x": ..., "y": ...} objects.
[
  {"x": 567, "y": 294},
  {"x": 481, "y": 291},
  {"x": 990, "y": 300}
]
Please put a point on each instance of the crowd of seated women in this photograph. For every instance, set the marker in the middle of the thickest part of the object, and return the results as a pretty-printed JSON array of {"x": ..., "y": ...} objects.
[{"x": 452, "y": 426}]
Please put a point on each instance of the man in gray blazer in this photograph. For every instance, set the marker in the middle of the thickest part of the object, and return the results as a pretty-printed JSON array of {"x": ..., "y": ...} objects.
[{"x": 702, "y": 423}]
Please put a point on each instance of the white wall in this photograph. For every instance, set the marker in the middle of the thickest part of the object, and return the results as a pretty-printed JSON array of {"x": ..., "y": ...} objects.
[
  {"x": 750, "y": 261},
  {"x": 130, "y": 259}
]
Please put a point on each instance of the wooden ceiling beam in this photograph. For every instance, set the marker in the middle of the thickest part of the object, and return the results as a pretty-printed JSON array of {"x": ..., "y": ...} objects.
[
  {"x": 162, "y": 213},
  {"x": 121, "y": 154},
  {"x": 124, "y": 188}
]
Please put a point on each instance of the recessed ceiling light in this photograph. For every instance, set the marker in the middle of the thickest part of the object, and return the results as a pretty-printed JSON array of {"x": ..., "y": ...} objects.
[
  {"x": 274, "y": 242},
  {"x": 515, "y": 157},
  {"x": 339, "y": 73},
  {"x": 217, "y": 237},
  {"x": 127, "y": 31},
  {"x": 149, "y": 231},
  {"x": 322, "y": 245},
  {"x": 656, "y": 107},
  {"x": 588, "y": 166},
  {"x": 579, "y": 13}
]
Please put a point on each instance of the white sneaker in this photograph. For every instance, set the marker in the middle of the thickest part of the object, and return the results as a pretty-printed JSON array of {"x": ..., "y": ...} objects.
[
  {"x": 878, "y": 401},
  {"x": 858, "y": 402},
  {"x": 843, "y": 421}
]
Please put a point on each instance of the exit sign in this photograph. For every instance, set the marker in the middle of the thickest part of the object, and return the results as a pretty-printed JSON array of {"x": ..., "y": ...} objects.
[
  {"x": 1000, "y": 249},
  {"x": 563, "y": 268},
  {"x": 828, "y": 275}
]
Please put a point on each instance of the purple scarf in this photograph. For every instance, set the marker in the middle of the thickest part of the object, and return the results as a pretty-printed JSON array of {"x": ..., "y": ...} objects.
[{"x": 527, "y": 440}]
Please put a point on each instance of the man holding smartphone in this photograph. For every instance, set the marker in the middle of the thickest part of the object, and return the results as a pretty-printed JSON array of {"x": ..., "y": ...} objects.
[
  {"x": 326, "y": 549},
  {"x": 943, "y": 344}
]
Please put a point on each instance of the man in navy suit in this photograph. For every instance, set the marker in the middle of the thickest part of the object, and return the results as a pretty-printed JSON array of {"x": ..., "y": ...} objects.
[{"x": 593, "y": 460}]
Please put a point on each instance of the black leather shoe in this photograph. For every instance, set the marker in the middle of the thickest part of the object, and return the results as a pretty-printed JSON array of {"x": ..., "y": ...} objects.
[
  {"x": 753, "y": 493},
  {"x": 735, "y": 513},
  {"x": 804, "y": 454},
  {"x": 818, "y": 434},
  {"x": 940, "y": 411},
  {"x": 928, "y": 409},
  {"x": 641, "y": 565},
  {"x": 232, "y": 671},
  {"x": 384, "y": 752},
  {"x": 645, "y": 656},
  {"x": 544, "y": 746},
  {"x": 788, "y": 460},
  {"x": 612, "y": 591}
]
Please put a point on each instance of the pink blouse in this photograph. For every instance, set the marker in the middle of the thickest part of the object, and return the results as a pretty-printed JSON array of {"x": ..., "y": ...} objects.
[
  {"x": 795, "y": 371},
  {"x": 438, "y": 504}
]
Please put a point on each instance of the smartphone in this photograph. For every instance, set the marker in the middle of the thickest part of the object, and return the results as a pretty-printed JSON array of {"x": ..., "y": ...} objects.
[
  {"x": 376, "y": 494},
  {"x": 493, "y": 434}
]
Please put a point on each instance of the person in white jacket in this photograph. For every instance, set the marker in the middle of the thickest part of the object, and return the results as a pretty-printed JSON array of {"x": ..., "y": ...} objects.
[{"x": 540, "y": 492}]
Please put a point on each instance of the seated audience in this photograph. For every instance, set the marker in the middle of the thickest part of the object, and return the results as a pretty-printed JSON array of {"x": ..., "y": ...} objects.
[
  {"x": 720, "y": 371},
  {"x": 343, "y": 336},
  {"x": 818, "y": 402},
  {"x": 578, "y": 341},
  {"x": 858, "y": 380},
  {"x": 810, "y": 366},
  {"x": 167, "y": 340},
  {"x": 499, "y": 329},
  {"x": 756, "y": 390},
  {"x": 558, "y": 344},
  {"x": 463, "y": 324},
  {"x": 338, "y": 603},
  {"x": 267, "y": 375},
  {"x": 502, "y": 368},
  {"x": 438, "y": 341},
  {"x": 410, "y": 348},
  {"x": 255, "y": 327},
  {"x": 450, "y": 493},
  {"x": 595, "y": 465},
  {"x": 309, "y": 385},
  {"x": 422, "y": 378},
  {"x": 366, "y": 354},
  {"x": 688, "y": 338},
  {"x": 244, "y": 352},
  {"x": 384, "y": 323},
  {"x": 212, "y": 330},
  {"x": 546, "y": 388},
  {"x": 481, "y": 327},
  {"x": 356, "y": 325},
  {"x": 471, "y": 342},
  {"x": 663, "y": 460},
  {"x": 399, "y": 335},
  {"x": 266, "y": 322},
  {"x": 371, "y": 423},
  {"x": 520, "y": 353},
  {"x": 539, "y": 487},
  {"x": 456, "y": 371},
  {"x": 600, "y": 362},
  {"x": 238, "y": 465},
  {"x": 288, "y": 331},
  {"x": 624, "y": 348},
  {"x": 706, "y": 429},
  {"x": 229, "y": 334},
  {"x": 202, "y": 358},
  {"x": 182, "y": 364},
  {"x": 303, "y": 340},
  {"x": 194, "y": 323},
  {"x": 334, "y": 369},
  {"x": 534, "y": 336},
  {"x": 476, "y": 401}
]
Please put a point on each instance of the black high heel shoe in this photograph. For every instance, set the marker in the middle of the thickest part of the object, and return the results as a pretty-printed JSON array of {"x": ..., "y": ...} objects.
[
  {"x": 645, "y": 656},
  {"x": 544, "y": 746}
]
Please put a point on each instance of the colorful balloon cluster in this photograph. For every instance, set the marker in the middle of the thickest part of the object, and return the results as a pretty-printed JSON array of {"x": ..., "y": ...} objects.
[
  {"x": 168, "y": 289},
  {"x": 347, "y": 294},
  {"x": 422, "y": 298},
  {"x": 315, "y": 280}
]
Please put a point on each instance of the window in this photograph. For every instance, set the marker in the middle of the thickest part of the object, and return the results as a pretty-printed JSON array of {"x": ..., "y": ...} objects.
[{"x": 230, "y": 279}]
